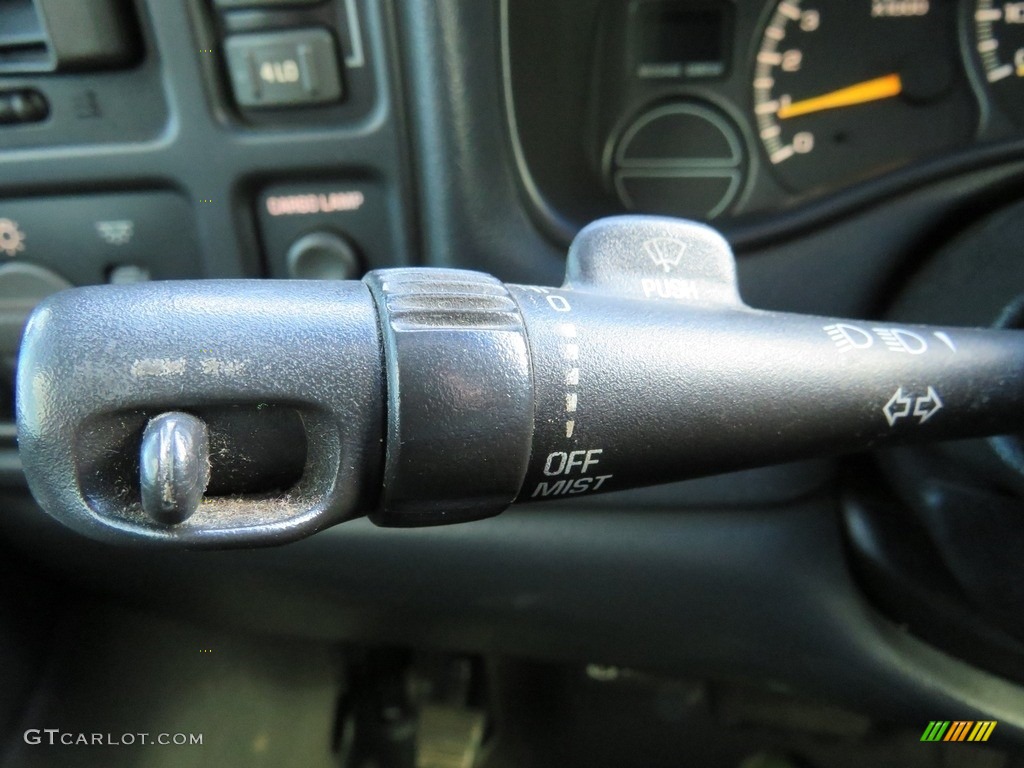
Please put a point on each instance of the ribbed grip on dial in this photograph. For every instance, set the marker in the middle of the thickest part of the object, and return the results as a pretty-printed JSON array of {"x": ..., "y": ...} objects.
[
  {"x": 453, "y": 299},
  {"x": 469, "y": 404}
]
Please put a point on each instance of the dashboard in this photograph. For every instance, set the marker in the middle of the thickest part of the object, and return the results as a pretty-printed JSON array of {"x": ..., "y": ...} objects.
[
  {"x": 756, "y": 108},
  {"x": 864, "y": 159}
]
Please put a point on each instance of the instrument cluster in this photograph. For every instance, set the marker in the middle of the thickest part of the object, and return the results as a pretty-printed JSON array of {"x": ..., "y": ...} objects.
[
  {"x": 712, "y": 109},
  {"x": 837, "y": 92}
]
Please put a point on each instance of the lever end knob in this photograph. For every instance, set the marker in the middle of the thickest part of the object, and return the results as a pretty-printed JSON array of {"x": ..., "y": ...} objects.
[{"x": 174, "y": 467}]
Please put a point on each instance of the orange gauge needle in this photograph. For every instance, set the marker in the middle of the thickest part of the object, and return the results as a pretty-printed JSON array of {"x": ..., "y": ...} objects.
[{"x": 870, "y": 90}]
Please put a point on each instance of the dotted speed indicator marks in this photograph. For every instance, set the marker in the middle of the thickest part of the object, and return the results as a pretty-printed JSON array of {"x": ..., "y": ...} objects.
[{"x": 844, "y": 91}]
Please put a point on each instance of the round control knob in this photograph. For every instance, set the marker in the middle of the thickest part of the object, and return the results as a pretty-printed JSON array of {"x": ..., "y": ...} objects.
[
  {"x": 679, "y": 159},
  {"x": 174, "y": 467},
  {"x": 22, "y": 287},
  {"x": 323, "y": 256}
]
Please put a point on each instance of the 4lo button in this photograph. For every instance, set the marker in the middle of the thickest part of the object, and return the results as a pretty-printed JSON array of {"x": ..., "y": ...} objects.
[{"x": 284, "y": 69}]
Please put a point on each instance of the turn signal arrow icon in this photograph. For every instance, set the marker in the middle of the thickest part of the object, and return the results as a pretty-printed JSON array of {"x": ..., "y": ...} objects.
[
  {"x": 894, "y": 413},
  {"x": 901, "y": 406},
  {"x": 927, "y": 406}
]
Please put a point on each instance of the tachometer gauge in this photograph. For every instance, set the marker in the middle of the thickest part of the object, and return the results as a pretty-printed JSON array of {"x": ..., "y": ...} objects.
[
  {"x": 999, "y": 33},
  {"x": 847, "y": 90}
]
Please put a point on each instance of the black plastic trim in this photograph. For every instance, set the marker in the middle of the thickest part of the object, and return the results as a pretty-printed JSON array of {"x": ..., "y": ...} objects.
[{"x": 745, "y": 594}]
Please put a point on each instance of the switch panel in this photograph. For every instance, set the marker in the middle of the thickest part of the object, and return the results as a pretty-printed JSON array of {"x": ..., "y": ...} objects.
[
  {"x": 154, "y": 230},
  {"x": 284, "y": 69}
]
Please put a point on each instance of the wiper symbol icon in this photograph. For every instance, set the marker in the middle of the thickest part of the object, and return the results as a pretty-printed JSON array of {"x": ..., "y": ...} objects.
[{"x": 665, "y": 252}]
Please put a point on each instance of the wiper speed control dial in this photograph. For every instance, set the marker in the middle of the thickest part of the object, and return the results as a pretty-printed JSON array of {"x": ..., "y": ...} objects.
[{"x": 427, "y": 396}]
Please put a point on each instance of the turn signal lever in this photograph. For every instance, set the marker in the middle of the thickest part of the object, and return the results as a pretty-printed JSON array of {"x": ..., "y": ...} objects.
[{"x": 222, "y": 413}]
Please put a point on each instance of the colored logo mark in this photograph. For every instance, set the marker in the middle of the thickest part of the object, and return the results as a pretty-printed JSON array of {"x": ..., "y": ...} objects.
[{"x": 958, "y": 730}]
